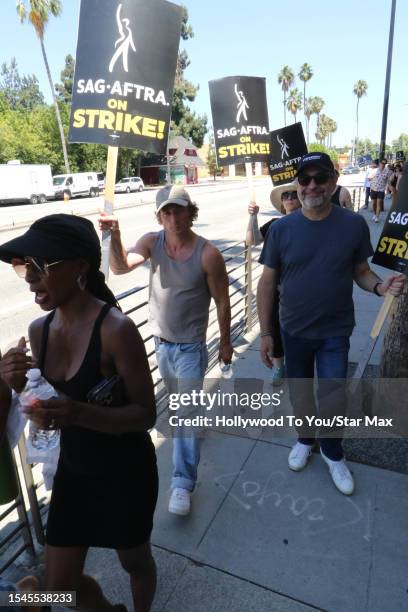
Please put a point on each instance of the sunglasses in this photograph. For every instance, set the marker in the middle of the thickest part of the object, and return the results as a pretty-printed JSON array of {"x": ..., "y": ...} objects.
[
  {"x": 289, "y": 195},
  {"x": 320, "y": 178},
  {"x": 40, "y": 266}
]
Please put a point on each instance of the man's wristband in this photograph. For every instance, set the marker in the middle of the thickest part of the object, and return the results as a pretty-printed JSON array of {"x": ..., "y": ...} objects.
[
  {"x": 375, "y": 289},
  {"x": 265, "y": 333}
]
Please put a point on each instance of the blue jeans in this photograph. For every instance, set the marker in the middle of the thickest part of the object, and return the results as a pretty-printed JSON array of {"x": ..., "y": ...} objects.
[
  {"x": 331, "y": 358},
  {"x": 182, "y": 367},
  {"x": 8, "y": 586}
]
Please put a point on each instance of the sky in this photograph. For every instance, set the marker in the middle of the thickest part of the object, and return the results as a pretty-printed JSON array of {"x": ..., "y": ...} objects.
[{"x": 342, "y": 41}]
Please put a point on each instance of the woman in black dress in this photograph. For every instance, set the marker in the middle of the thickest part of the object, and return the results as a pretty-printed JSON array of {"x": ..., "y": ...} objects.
[{"x": 105, "y": 488}]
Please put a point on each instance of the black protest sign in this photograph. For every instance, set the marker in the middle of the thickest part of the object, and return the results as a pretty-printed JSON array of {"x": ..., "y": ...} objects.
[
  {"x": 392, "y": 248},
  {"x": 124, "y": 75},
  {"x": 287, "y": 147},
  {"x": 364, "y": 160},
  {"x": 240, "y": 119}
]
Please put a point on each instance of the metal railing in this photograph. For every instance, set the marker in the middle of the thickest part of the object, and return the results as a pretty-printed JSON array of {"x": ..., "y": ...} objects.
[{"x": 243, "y": 272}]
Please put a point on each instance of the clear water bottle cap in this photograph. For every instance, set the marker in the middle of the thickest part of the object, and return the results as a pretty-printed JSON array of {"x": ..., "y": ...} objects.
[{"x": 34, "y": 374}]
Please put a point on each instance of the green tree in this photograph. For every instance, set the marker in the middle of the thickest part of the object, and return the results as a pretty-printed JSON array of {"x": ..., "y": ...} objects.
[
  {"x": 212, "y": 158},
  {"x": 401, "y": 144},
  {"x": 38, "y": 13},
  {"x": 286, "y": 79},
  {"x": 184, "y": 122},
  {"x": 360, "y": 90},
  {"x": 21, "y": 92},
  {"x": 317, "y": 146},
  {"x": 64, "y": 89},
  {"x": 294, "y": 103},
  {"x": 305, "y": 74},
  {"x": 366, "y": 147}
]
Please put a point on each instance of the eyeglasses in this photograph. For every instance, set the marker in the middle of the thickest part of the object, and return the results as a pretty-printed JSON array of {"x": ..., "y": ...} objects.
[
  {"x": 289, "y": 195},
  {"x": 320, "y": 178},
  {"x": 40, "y": 266}
]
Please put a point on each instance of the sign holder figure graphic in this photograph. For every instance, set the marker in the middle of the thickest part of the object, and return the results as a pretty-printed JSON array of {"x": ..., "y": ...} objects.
[{"x": 124, "y": 41}]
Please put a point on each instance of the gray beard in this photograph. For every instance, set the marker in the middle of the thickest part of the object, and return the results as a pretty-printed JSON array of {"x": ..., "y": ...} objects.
[{"x": 310, "y": 202}]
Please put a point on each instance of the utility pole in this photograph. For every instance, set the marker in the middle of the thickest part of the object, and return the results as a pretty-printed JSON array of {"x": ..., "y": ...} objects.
[{"x": 387, "y": 82}]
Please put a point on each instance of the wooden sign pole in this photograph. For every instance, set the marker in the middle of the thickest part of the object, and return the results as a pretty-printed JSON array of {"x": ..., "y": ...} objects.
[
  {"x": 370, "y": 346},
  {"x": 251, "y": 189},
  {"x": 110, "y": 181}
]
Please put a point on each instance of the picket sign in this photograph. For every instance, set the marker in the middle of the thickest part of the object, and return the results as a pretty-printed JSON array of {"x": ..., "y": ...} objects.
[{"x": 124, "y": 79}]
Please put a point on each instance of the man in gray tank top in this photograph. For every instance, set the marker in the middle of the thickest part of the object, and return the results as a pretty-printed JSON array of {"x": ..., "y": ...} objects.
[{"x": 186, "y": 272}]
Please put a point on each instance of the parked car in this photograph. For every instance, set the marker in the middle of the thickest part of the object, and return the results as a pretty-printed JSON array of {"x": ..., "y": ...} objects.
[
  {"x": 128, "y": 184},
  {"x": 351, "y": 170}
]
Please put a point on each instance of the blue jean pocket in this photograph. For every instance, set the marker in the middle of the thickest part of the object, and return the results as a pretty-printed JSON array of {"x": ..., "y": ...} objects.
[{"x": 190, "y": 347}]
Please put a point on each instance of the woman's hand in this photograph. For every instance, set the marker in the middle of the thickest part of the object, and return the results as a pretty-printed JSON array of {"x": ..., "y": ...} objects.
[
  {"x": 14, "y": 366},
  {"x": 253, "y": 209},
  {"x": 54, "y": 413}
]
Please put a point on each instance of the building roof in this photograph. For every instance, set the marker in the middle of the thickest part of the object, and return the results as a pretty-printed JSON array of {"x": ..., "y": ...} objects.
[{"x": 183, "y": 153}]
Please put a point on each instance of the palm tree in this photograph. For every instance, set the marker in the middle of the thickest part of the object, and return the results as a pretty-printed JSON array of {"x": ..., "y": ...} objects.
[
  {"x": 333, "y": 128},
  {"x": 294, "y": 103},
  {"x": 360, "y": 89},
  {"x": 308, "y": 112},
  {"x": 305, "y": 74},
  {"x": 38, "y": 13},
  {"x": 318, "y": 104},
  {"x": 286, "y": 78}
]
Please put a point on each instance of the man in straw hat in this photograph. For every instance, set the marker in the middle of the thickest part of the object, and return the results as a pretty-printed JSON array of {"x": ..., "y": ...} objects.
[
  {"x": 317, "y": 252},
  {"x": 186, "y": 272},
  {"x": 285, "y": 200}
]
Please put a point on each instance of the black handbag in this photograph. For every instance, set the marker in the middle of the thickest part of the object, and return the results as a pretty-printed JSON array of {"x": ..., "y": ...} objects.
[{"x": 109, "y": 392}]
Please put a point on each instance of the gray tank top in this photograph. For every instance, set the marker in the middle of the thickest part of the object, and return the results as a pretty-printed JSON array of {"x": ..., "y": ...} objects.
[{"x": 179, "y": 298}]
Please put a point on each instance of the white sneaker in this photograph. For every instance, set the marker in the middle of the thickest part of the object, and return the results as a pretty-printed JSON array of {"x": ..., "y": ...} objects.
[
  {"x": 299, "y": 456},
  {"x": 341, "y": 475},
  {"x": 375, "y": 219},
  {"x": 180, "y": 501}
]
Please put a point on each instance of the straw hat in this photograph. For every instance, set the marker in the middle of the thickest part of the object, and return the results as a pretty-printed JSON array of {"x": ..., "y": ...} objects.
[{"x": 276, "y": 195}]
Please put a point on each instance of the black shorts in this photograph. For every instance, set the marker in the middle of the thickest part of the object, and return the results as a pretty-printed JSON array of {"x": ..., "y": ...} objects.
[{"x": 377, "y": 195}]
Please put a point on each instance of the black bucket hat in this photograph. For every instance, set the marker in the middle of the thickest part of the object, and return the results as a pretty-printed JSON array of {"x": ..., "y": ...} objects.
[{"x": 56, "y": 237}]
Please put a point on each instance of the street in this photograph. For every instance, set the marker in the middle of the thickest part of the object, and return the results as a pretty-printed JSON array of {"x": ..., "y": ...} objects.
[{"x": 222, "y": 218}]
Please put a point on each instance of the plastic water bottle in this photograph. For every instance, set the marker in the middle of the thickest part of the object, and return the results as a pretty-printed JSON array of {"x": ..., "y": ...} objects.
[
  {"x": 40, "y": 440},
  {"x": 226, "y": 370}
]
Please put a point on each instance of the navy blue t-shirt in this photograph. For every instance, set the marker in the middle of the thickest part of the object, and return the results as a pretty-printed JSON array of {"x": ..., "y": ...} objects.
[{"x": 315, "y": 260}]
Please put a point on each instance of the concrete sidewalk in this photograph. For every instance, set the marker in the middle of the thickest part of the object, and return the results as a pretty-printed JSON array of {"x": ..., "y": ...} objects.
[{"x": 261, "y": 538}]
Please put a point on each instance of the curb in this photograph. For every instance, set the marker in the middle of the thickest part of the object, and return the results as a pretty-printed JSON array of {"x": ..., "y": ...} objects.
[{"x": 87, "y": 213}]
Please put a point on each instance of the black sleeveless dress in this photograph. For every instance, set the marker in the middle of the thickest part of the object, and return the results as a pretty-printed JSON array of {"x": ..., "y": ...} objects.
[
  {"x": 105, "y": 488},
  {"x": 335, "y": 199}
]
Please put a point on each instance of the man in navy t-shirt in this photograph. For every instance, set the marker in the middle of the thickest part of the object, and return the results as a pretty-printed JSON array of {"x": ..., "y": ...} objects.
[{"x": 317, "y": 252}]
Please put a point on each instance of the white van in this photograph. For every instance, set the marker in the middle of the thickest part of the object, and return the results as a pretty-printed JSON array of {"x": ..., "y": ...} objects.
[
  {"x": 67, "y": 186},
  {"x": 25, "y": 182}
]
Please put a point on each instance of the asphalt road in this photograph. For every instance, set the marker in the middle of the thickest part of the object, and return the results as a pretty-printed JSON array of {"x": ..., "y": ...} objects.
[{"x": 222, "y": 218}]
